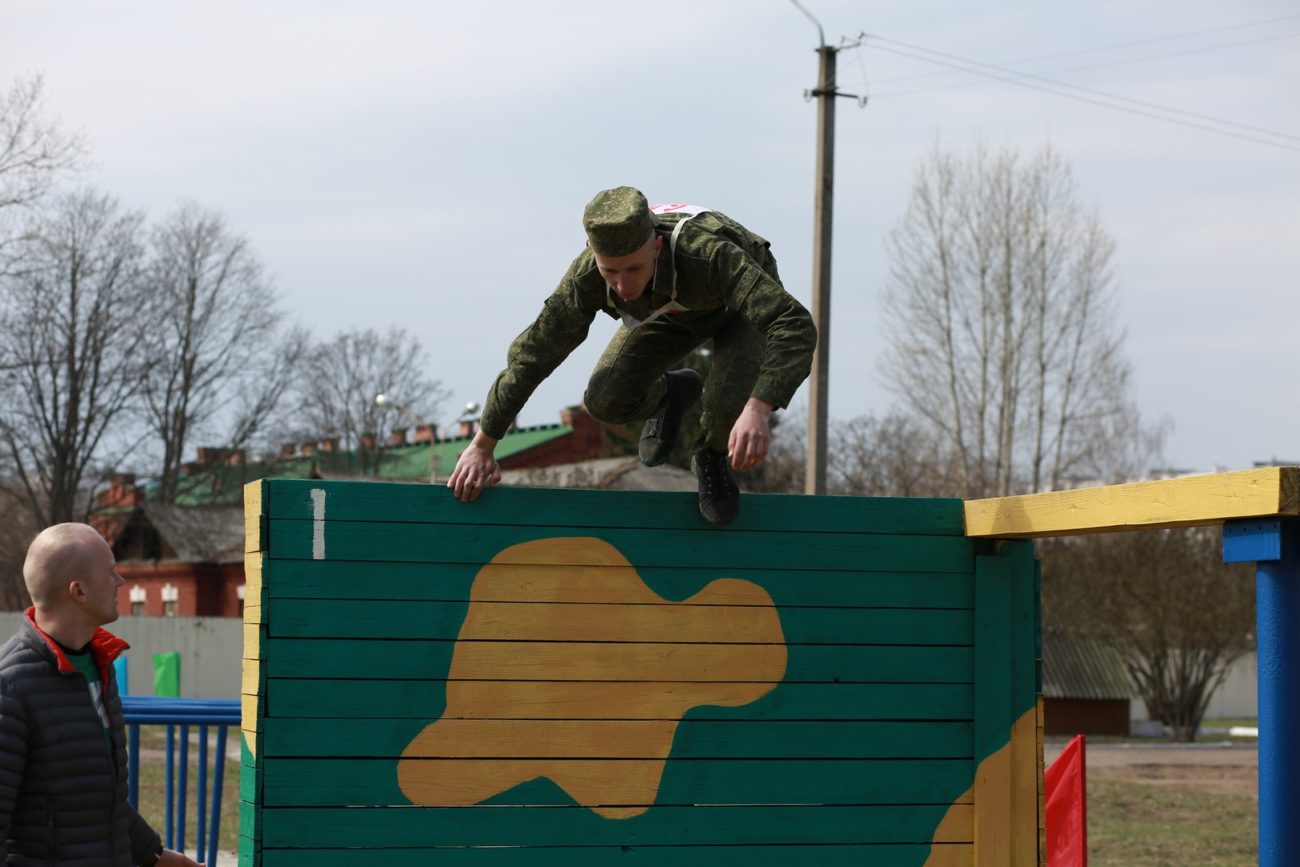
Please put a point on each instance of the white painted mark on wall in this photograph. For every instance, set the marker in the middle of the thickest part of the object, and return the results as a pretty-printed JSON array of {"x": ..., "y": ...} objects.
[{"x": 317, "y": 524}]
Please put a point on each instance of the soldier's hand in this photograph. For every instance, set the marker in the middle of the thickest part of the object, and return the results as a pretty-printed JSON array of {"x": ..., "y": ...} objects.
[
  {"x": 751, "y": 435},
  {"x": 476, "y": 469}
]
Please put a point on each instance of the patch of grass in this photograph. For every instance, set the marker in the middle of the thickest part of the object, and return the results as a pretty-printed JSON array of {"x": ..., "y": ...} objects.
[
  {"x": 1169, "y": 826},
  {"x": 1228, "y": 722}
]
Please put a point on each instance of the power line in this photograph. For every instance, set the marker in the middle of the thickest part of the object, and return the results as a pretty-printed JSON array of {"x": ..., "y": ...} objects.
[
  {"x": 1019, "y": 76},
  {"x": 1116, "y": 45},
  {"x": 1073, "y": 68},
  {"x": 1090, "y": 90}
]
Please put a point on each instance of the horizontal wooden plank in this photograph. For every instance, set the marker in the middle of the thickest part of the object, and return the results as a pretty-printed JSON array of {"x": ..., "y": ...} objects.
[
  {"x": 681, "y": 782},
  {"x": 618, "y": 788},
  {"x": 399, "y": 699},
  {"x": 665, "y": 826},
  {"x": 623, "y": 739},
  {"x": 879, "y": 855},
  {"x": 416, "y": 659},
  {"x": 698, "y": 548},
  {"x": 368, "y": 501},
  {"x": 521, "y": 621},
  {"x": 452, "y": 582},
  {"x": 1181, "y": 502}
]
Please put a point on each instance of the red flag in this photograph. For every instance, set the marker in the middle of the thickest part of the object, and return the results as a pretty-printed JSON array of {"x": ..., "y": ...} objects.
[{"x": 1064, "y": 789}]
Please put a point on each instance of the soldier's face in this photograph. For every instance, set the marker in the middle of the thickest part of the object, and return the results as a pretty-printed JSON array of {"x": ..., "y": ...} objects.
[{"x": 630, "y": 275}]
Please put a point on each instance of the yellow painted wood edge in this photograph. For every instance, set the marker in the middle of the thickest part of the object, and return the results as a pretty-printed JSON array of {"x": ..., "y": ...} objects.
[
  {"x": 248, "y": 715},
  {"x": 253, "y": 516},
  {"x": 253, "y": 588},
  {"x": 1182, "y": 502},
  {"x": 250, "y": 677},
  {"x": 252, "y": 641},
  {"x": 251, "y": 664}
]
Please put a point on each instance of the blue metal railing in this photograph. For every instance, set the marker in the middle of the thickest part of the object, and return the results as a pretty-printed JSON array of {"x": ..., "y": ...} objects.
[{"x": 183, "y": 712}]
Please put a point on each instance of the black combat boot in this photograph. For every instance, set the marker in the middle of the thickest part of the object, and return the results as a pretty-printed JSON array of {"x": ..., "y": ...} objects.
[
  {"x": 659, "y": 435},
  {"x": 719, "y": 496}
]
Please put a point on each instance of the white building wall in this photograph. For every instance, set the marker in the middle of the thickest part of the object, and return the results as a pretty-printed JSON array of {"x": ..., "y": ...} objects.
[
  {"x": 1239, "y": 694},
  {"x": 1237, "y": 697},
  {"x": 211, "y": 650}
]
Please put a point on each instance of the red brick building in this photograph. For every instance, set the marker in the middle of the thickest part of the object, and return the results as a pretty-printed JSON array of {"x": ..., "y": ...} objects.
[{"x": 176, "y": 560}]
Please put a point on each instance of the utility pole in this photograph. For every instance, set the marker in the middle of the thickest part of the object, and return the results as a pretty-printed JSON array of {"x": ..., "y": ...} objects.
[{"x": 823, "y": 201}]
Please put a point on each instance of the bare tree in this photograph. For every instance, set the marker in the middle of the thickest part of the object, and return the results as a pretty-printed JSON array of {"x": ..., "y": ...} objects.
[
  {"x": 1002, "y": 325},
  {"x": 1164, "y": 599},
  {"x": 72, "y": 358},
  {"x": 17, "y": 529},
  {"x": 34, "y": 152},
  {"x": 218, "y": 363},
  {"x": 343, "y": 376},
  {"x": 891, "y": 456}
]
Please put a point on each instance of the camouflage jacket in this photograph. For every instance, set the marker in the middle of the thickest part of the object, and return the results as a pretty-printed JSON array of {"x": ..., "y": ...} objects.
[{"x": 719, "y": 268}]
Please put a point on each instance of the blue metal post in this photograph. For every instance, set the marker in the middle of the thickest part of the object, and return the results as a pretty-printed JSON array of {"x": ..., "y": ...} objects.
[
  {"x": 218, "y": 772},
  {"x": 1274, "y": 545},
  {"x": 169, "y": 792},
  {"x": 201, "y": 811},
  {"x": 183, "y": 782}
]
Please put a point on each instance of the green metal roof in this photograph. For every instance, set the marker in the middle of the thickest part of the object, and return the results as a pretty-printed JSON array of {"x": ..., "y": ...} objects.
[
  {"x": 224, "y": 484},
  {"x": 447, "y": 452}
]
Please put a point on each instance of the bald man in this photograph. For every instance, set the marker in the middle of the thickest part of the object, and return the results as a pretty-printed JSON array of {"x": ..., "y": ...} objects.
[{"x": 63, "y": 781}]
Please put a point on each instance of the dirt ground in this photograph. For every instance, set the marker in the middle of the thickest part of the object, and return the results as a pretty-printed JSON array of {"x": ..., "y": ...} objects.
[{"x": 1230, "y": 770}]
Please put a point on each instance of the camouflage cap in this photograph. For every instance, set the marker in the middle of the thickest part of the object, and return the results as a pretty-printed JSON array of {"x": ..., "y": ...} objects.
[{"x": 618, "y": 221}]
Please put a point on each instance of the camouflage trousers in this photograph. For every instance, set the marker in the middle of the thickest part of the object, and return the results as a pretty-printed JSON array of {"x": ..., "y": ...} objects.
[{"x": 628, "y": 381}]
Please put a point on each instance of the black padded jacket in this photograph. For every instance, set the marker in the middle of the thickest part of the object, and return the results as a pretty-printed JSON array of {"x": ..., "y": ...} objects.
[{"x": 63, "y": 797}]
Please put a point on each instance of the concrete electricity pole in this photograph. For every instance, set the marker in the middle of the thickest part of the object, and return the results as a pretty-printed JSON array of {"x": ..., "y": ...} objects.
[{"x": 823, "y": 199}]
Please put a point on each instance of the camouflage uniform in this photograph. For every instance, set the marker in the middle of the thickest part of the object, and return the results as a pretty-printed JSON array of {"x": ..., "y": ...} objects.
[{"x": 725, "y": 278}]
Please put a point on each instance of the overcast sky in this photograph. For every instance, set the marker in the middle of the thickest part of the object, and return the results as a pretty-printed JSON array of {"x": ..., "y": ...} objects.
[{"x": 425, "y": 163}]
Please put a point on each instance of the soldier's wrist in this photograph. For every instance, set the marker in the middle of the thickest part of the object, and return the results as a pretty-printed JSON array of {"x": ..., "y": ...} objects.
[{"x": 484, "y": 441}]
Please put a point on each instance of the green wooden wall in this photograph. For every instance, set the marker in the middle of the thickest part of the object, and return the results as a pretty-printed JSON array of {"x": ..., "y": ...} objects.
[{"x": 596, "y": 677}]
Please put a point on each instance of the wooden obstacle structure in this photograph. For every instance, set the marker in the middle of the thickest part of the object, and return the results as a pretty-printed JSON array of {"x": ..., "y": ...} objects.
[{"x": 593, "y": 677}]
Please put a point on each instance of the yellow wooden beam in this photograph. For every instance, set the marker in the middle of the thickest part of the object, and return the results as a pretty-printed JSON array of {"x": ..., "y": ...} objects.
[
  {"x": 253, "y": 516},
  {"x": 1183, "y": 502}
]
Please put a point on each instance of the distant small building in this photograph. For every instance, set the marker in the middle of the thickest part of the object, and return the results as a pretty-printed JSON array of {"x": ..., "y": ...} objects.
[
  {"x": 176, "y": 560},
  {"x": 1086, "y": 688}
]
